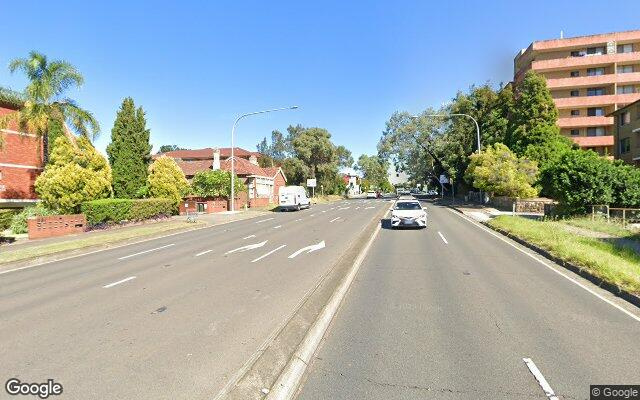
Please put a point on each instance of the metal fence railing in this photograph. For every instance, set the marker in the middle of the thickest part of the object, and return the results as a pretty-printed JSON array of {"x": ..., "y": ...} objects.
[{"x": 621, "y": 215}]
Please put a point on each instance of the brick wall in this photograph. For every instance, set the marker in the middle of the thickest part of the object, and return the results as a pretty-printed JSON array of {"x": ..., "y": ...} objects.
[
  {"x": 211, "y": 205},
  {"x": 277, "y": 184},
  {"x": 21, "y": 162},
  {"x": 55, "y": 225}
]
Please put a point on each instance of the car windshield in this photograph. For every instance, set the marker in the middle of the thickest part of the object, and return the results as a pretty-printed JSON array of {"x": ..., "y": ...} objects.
[{"x": 408, "y": 205}]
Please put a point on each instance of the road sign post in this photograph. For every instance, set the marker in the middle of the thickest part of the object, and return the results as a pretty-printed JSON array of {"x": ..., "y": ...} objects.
[{"x": 312, "y": 184}]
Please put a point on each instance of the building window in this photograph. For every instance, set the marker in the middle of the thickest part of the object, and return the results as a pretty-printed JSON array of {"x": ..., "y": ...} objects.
[
  {"x": 595, "y": 51},
  {"x": 575, "y": 93},
  {"x": 597, "y": 131},
  {"x": 626, "y": 89},
  {"x": 577, "y": 53},
  {"x": 575, "y": 132},
  {"x": 624, "y": 118},
  {"x": 625, "y": 48},
  {"x": 625, "y": 69},
  {"x": 625, "y": 145},
  {"x": 595, "y": 112},
  {"x": 575, "y": 112},
  {"x": 575, "y": 74},
  {"x": 595, "y": 71},
  {"x": 595, "y": 91}
]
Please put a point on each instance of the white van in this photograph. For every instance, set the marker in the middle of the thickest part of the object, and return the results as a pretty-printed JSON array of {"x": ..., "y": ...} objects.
[{"x": 293, "y": 198}]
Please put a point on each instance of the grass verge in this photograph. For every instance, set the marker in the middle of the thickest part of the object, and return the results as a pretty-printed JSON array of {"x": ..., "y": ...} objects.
[
  {"x": 614, "y": 264},
  {"x": 601, "y": 225},
  {"x": 94, "y": 239}
]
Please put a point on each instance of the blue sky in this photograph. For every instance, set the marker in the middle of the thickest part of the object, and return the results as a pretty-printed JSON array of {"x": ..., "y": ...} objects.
[{"x": 194, "y": 66}]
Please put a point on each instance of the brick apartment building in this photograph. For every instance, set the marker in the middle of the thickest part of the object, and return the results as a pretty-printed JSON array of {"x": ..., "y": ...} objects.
[
  {"x": 627, "y": 133},
  {"x": 21, "y": 161},
  {"x": 589, "y": 77},
  {"x": 262, "y": 184}
]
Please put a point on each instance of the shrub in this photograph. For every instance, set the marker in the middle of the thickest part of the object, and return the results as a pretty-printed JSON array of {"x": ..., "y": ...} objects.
[
  {"x": 117, "y": 210},
  {"x": 166, "y": 180},
  {"x": 19, "y": 221},
  {"x": 215, "y": 184},
  {"x": 6, "y": 216}
]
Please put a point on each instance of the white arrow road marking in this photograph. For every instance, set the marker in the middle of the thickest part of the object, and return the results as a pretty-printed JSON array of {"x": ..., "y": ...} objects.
[
  {"x": 335, "y": 219},
  {"x": 268, "y": 253},
  {"x": 203, "y": 253},
  {"x": 247, "y": 247},
  {"x": 540, "y": 378},
  {"x": 249, "y": 237},
  {"x": 146, "y": 251},
  {"x": 119, "y": 282},
  {"x": 264, "y": 220},
  {"x": 308, "y": 249},
  {"x": 443, "y": 238}
]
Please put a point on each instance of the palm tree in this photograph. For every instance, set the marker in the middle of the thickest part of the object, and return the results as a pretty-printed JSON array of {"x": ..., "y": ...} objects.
[{"x": 43, "y": 102}]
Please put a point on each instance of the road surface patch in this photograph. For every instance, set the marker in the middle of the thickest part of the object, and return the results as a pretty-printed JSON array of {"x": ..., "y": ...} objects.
[
  {"x": 268, "y": 253},
  {"x": 146, "y": 251},
  {"x": 119, "y": 282}
]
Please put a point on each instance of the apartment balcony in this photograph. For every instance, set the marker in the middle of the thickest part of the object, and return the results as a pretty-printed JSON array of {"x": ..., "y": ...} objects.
[
  {"x": 596, "y": 101},
  {"x": 593, "y": 81},
  {"x": 586, "y": 61},
  {"x": 593, "y": 141},
  {"x": 583, "y": 122}
]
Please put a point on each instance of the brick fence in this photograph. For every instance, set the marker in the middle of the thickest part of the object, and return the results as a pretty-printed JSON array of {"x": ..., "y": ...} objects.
[
  {"x": 202, "y": 205},
  {"x": 536, "y": 205},
  {"x": 56, "y": 225}
]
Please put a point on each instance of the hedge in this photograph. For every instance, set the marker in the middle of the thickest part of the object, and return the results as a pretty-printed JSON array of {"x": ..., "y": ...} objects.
[{"x": 117, "y": 210}]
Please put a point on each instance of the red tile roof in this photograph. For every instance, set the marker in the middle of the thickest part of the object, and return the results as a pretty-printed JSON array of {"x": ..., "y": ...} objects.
[
  {"x": 207, "y": 153},
  {"x": 191, "y": 167},
  {"x": 593, "y": 141},
  {"x": 242, "y": 167}
]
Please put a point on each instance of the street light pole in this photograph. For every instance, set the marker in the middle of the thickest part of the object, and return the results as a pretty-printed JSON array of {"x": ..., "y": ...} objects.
[{"x": 233, "y": 130}]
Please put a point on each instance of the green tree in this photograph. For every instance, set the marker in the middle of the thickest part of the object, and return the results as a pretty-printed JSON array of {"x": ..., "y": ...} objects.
[
  {"x": 169, "y": 147},
  {"x": 497, "y": 170},
  {"x": 44, "y": 101},
  {"x": 580, "y": 178},
  {"x": 129, "y": 151},
  {"x": 295, "y": 170},
  {"x": 215, "y": 184},
  {"x": 313, "y": 146},
  {"x": 75, "y": 174},
  {"x": 345, "y": 159},
  {"x": 373, "y": 169},
  {"x": 166, "y": 180},
  {"x": 533, "y": 116}
]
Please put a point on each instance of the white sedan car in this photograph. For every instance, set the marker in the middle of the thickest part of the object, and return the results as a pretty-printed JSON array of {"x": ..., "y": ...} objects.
[{"x": 408, "y": 213}]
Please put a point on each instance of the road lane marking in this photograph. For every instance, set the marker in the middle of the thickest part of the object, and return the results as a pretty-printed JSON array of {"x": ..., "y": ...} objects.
[
  {"x": 324, "y": 211},
  {"x": 357, "y": 208},
  {"x": 312, "y": 215},
  {"x": 308, "y": 249},
  {"x": 335, "y": 219},
  {"x": 540, "y": 378},
  {"x": 497, "y": 235},
  {"x": 119, "y": 282},
  {"x": 344, "y": 208},
  {"x": 264, "y": 220},
  {"x": 368, "y": 208},
  {"x": 268, "y": 253},
  {"x": 299, "y": 219},
  {"x": 146, "y": 251},
  {"x": 249, "y": 237},
  {"x": 247, "y": 247},
  {"x": 277, "y": 227},
  {"x": 443, "y": 238},
  {"x": 203, "y": 253}
]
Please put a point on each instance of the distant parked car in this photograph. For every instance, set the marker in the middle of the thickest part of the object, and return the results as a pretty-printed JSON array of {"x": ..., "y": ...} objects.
[
  {"x": 371, "y": 194},
  {"x": 293, "y": 198}
]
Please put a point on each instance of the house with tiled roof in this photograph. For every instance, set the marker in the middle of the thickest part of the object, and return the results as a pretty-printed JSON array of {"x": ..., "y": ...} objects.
[{"x": 262, "y": 184}]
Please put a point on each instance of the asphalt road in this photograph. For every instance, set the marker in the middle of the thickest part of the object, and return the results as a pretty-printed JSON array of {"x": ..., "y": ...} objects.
[
  {"x": 171, "y": 318},
  {"x": 451, "y": 311}
]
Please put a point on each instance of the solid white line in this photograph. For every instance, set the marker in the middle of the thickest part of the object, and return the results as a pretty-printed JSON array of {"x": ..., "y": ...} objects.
[
  {"x": 269, "y": 253},
  {"x": 146, "y": 251},
  {"x": 312, "y": 215},
  {"x": 540, "y": 378},
  {"x": 277, "y": 227},
  {"x": 119, "y": 282},
  {"x": 368, "y": 208},
  {"x": 335, "y": 219},
  {"x": 264, "y": 220},
  {"x": 249, "y": 237},
  {"x": 324, "y": 211},
  {"x": 288, "y": 382},
  {"x": 443, "y": 238},
  {"x": 203, "y": 253},
  {"x": 499, "y": 236}
]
